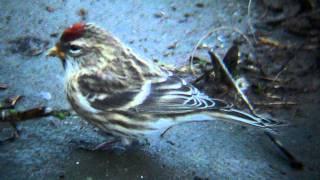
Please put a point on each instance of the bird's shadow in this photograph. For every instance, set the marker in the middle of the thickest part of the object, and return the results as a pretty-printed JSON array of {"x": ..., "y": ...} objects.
[{"x": 124, "y": 164}]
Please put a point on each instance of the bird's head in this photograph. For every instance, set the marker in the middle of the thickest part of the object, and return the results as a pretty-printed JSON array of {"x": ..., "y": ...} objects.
[{"x": 84, "y": 45}]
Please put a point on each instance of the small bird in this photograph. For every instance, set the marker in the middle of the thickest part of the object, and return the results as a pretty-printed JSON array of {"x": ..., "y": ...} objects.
[{"x": 127, "y": 96}]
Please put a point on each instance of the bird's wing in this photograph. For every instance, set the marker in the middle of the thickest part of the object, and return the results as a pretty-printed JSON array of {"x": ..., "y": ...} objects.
[
  {"x": 175, "y": 96},
  {"x": 170, "y": 95}
]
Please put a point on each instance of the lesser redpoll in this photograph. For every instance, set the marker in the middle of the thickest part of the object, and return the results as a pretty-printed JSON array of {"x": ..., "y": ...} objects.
[{"x": 127, "y": 96}]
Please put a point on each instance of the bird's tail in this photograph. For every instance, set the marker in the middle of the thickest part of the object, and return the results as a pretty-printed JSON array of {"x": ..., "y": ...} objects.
[{"x": 243, "y": 117}]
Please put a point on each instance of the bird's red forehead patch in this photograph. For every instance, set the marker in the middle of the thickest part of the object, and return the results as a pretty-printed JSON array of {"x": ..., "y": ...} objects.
[{"x": 74, "y": 32}]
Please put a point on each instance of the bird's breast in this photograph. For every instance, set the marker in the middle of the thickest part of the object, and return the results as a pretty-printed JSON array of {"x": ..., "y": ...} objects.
[{"x": 78, "y": 101}]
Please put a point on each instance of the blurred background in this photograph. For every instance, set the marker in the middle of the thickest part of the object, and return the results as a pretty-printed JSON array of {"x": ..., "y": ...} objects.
[{"x": 279, "y": 46}]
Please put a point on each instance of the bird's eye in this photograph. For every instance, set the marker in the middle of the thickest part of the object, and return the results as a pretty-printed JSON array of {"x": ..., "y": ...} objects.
[{"x": 74, "y": 49}]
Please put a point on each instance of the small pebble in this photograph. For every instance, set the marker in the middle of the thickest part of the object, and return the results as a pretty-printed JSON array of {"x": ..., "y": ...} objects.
[
  {"x": 45, "y": 95},
  {"x": 49, "y": 9},
  {"x": 200, "y": 5},
  {"x": 187, "y": 15},
  {"x": 159, "y": 14}
]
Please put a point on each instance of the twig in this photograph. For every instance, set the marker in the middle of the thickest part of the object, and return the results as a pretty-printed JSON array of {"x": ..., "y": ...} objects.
[
  {"x": 13, "y": 101},
  {"x": 272, "y": 79},
  {"x": 208, "y": 34},
  {"x": 271, "y": 42},
  {"x": 232, "y": 81},
  {"x": 10, "y": 103},
  {"x": 287, "y": 18},
  {"x": 13, "y": 116},
  {"x": 279, "y": 73},
  {"x": 276, "y": 103},
  {"x": 249, "y": 20},
  {"x": 294, "y": 163}
]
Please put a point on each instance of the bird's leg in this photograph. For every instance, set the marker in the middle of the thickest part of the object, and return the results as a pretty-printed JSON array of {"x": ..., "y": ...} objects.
[{"x": 16, "y": 132}]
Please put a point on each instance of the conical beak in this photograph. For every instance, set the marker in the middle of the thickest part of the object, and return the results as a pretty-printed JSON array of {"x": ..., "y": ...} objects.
[{"x": 56, "y": 52}]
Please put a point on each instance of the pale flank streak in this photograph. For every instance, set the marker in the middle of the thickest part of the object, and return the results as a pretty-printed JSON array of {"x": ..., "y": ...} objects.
[
  {"x": 122, "y": 118},
  {"x": 119, "y": 127},
  {"x": 84, "y": 103},
  {"x": 140, "y": 97}
]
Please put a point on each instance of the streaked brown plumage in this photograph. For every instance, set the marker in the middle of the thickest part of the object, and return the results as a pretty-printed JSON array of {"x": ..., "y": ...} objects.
[{"x": 127, "y": 96}]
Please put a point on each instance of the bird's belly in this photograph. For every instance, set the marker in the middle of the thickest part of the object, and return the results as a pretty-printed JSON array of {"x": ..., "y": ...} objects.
[{"x": 162, "y": 124}]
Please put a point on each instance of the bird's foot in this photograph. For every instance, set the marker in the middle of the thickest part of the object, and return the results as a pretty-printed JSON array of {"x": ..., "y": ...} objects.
[
  {"x": 107, "y": 146},
  {"x": 118, "y": 145},
  {"x": 110, "y": 146}
]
